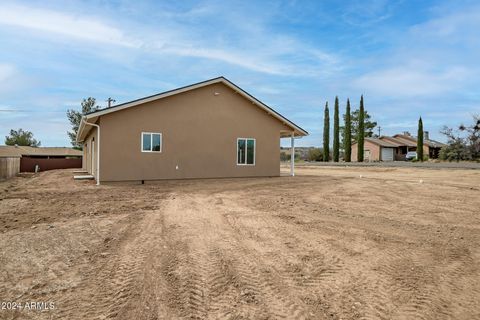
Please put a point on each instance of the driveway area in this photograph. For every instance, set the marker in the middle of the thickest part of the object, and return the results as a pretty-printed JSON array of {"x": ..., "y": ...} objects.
[{"x": 330, "y": 243}]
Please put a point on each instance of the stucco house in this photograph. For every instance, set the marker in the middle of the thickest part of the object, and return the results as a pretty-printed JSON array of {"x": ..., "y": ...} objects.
[
  {"x": 431, "y": 148},
  {"x": 376, "y": 150},
  {"x": 396, "y": 147},
  {"x": 211, "y": 129}
]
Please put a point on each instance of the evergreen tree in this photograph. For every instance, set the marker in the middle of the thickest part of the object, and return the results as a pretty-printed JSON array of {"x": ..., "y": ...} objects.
[
  {"x": 348, "y": 135},
  {"x": 336, "y": 133},
  {"x": 420, "y": 140},
  {"x": 368, "y": 125},
  {"x": 326, "y": 134},
  {"x": 21, "y": 137},
  {"x": 361, "y": 132},
  {"x": 75, "y": 117}
]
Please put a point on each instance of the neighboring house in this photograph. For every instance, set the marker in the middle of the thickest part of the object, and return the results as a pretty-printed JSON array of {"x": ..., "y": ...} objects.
[
  {"x": 376, "y": 150},
  {"x": 211, "y": 129},
  {"x": 404, "y": 146},
  {"x": 431, "y": 148},
  {"x": 395, "y": 148},
  {"x": 15, "y": 159}
]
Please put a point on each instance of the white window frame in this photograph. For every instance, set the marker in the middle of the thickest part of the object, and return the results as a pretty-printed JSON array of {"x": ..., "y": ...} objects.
[
  {"x": 254, "y": 152},
  {"x": 151, "y": 142}
]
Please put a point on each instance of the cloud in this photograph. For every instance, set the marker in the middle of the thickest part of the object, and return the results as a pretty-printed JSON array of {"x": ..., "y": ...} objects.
[
  {"x": 410, "y": 81},
  {"x": 64, "y": 24},
  {"x": 400, "y": 124},
  {"x": 6, "y": 72},
  {"x": 436, "y": 57},
  {"x": 267, "y": 63},
  {"x": 451, "y": 27},
  {"x": 179, "y": 35},
  {"x": 11, "y": 80},
  {"x": 361, "y": 13},
  {"x": 228, "y": 57}
]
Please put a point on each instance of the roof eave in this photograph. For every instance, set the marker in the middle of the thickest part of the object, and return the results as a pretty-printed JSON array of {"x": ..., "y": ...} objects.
[
  {"x": 300, "y": 131},
  {"x": 78, "y": 138}
]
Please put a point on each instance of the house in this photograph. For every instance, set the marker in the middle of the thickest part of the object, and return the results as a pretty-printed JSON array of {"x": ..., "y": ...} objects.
[
  {"x": 431, "y": 147},
  {"x": 396, "y": 147},
  {"x": 377, "y": 150},
  {"x": 211, "y": 129},
  {"x": 15, "y": 159}
]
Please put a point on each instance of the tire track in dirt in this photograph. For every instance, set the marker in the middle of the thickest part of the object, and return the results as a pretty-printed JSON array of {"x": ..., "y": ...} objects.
[
  {"x": 276, "y": 283},
  {"x": 199, "y": 278},
  {"x": 306, "y": 269},
  {"x": 233, "y": 281},
  {"x": 271, "y": 249},
  {"x": 182, "y": 267},
  {"x": 322, "y": 272},
  {"x": 107, "y": 289}
]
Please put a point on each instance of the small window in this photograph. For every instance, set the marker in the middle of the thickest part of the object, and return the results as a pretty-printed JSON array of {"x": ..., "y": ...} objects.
[
  {"x": 151, "y": 142},
  {"x": 245, "y": 151}
]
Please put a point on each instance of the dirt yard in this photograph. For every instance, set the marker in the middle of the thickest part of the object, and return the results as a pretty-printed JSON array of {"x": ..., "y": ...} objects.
[{"x": 330, "y": 243}]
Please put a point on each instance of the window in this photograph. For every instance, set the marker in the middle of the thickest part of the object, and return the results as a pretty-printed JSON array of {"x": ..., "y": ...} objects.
[
  {"x": 245, "y": 151},
  {"x": 151, "y": 142}
]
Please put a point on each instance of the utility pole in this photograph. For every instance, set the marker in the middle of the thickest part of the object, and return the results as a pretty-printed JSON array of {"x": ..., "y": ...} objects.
[
  {"x": 379, "y": 131},
  {"x": 109, "y": 101}
]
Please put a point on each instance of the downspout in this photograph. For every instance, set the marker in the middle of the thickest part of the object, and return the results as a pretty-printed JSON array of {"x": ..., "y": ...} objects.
[
  {"x": 292, "y": 154},
  {"x": 98, "y": 147}
]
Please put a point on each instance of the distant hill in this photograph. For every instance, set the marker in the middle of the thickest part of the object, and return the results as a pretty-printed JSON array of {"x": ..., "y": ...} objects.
[{"x": 300, "y": 153}]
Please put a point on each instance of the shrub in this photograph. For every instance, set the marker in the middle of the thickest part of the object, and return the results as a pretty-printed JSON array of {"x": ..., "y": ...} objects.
[{"x": 315, "y": 154}]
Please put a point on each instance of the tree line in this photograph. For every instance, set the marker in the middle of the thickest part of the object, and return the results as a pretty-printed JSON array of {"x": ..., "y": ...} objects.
[{"x": 463, "y": 142}]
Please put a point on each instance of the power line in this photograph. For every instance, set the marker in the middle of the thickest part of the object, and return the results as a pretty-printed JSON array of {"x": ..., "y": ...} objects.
[{"x": 24, "y": 111}]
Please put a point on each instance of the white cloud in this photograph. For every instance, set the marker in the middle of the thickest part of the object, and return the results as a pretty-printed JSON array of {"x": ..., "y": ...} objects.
[
  {"x": 64, "y": 24},
  {"x": 226, "y": 56},
  {"x": 257, "y": 49},
  {"x": 437, "y": 57},
  {"x": 405, "y": 81},
  {"x": 11, "y": 80},
  {"x": 400, "y": 124},
  {"x": 6, "y": 71},
  {"x": 366, "y": 13},
  {"x": 452, "y": 26},
  {"x": 248, "y": 59}
]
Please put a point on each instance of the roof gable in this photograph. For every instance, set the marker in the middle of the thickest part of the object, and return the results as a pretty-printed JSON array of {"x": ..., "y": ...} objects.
[{"x": 298, "y": 131}]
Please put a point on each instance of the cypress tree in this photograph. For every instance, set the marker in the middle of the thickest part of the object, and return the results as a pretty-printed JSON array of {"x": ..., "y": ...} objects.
[
  {"x": 361, "y": 132},
  {"x": 420, "y": 140},
  {"x": 336, "y": 133},
  {"x": 348, "y": 134},
  {"x": 326, "y": 134}
]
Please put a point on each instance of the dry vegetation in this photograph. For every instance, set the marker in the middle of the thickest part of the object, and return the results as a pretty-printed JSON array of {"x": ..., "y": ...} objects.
[{"x": 327, "y": 244}]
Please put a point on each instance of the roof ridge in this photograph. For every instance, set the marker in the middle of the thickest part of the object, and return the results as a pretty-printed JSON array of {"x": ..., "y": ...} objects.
[
  {"x": 221, "y": 79},
  {"x": 158, "y": 94}
]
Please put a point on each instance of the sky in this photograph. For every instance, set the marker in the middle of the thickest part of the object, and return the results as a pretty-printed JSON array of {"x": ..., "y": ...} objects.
[{"x": 408, "y": 58}]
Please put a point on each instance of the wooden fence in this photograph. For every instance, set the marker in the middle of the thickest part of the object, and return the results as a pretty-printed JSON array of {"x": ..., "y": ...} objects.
[
  {"x": 9, "y": 167},
  {"x": 28, "y": 164}
]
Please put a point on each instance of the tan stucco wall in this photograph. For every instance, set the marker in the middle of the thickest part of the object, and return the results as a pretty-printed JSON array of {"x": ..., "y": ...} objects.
[
  {"x": 84, "y": 157},
  {"x": 374, "y": 151},
  {"x": 199, "y": 135},
  {"x": 87, "y": 155}
]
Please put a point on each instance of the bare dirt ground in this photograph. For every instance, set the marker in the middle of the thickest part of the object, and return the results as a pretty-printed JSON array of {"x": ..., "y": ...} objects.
[{"x": 330, "y": 243}]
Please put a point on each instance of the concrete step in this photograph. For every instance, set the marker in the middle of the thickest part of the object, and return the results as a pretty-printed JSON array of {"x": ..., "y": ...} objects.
[{"x": 84, "y": 177}]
